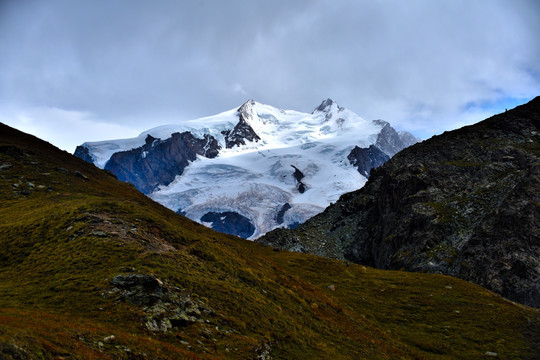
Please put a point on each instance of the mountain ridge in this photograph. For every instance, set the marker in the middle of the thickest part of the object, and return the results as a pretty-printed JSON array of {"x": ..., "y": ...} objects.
[
  {"x": 252, "y": 149},
  {"x": 464, "y": 203}
]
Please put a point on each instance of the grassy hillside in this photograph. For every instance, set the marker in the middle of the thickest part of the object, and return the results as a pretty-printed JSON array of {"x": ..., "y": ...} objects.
[{"x": 92, "y": 269}]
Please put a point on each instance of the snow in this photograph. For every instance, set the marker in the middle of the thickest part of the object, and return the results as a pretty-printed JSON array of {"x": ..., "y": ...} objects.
[
  {"x": 212, "y": 125},
  {"x": 256, "y": 179}
]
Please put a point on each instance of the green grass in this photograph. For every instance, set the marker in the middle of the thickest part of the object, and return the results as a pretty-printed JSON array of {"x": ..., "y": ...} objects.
[{"x": 66, "y": 237}]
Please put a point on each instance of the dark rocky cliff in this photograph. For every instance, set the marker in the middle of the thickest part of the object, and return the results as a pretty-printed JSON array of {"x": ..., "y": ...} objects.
[
  {"x": 82, "y": 152},
  {"x": 230, "y": 222},
  {"x": 365, "y": 159},
  {"x": 158, "y": 162},
  {"x": 389, "y": 142},
  {"x": 465, "y": 203},
  {"x": 242, "y": 132}
]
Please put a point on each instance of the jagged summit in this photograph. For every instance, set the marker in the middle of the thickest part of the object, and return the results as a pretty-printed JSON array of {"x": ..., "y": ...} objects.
[
  {"x": 331, "y": 110},
  {"x": 243, "y": 132},
  {"x": 241, "y": 164},
  {"x": 248, "y": 103},
  {"x": 247, "y": 109},
  {"x": 327, "y": 106},
  {"x": 250, "y": 107}
]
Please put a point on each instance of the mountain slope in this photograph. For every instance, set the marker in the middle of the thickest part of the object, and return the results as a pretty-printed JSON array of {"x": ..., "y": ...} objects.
[
  {"x": 92, "y": 269},
  {"x": 465, "y": 203},
  {"x": 260, "y": 166}
]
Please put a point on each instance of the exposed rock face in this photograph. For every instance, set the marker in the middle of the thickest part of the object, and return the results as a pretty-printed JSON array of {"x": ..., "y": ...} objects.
[
  {"x": 298, "y": 175},
  {"x": 158, "y": 162},
  {"x": 281, "y": 213},
  {"x": 325, "y": 105},
  {"x": 139, "y": 289},
  {"x": 390, "y": 141},
  {"x": 83, "y": 153},
  {"x": 365, "y": 159},
  {"x": 163, "y": 308},
  {"x": 407, "y": 138},
  {"x": 230, "y": 222},
  {"x": 465, "y": 203},
  {"x": 238, "y": 136},
  {"x": 242, "y": 132}
]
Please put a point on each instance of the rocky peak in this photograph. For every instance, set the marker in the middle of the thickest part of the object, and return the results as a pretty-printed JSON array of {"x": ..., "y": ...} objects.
[
  {"x": 329, "y": 107},
  {"x": 243, "y": 131},
  {"x": 247, "y": 110},
  {"x": 326, "y": 106},
  {"x": 463, "y": 203},
  {"x": 381, "y": 123},
  {"x": 407, "y": 138},
  {"x": 389, "y": 140}
]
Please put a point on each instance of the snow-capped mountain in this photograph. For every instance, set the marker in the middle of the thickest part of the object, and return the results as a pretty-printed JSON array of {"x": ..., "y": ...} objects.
[{"x": 249, "y": 170}]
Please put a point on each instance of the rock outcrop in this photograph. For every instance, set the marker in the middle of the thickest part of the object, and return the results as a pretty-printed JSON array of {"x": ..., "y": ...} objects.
[
  {"x": 158, "y": 162},
  {"x": 229, "y": 222},
  {"x": 242, "y": 131},
  {"x": 391, "y": 141},
  {"x": 365, "y": 159},
  {"x": 82, "y": 152},
  {"x": 163, "y": 308},
  {"x": 281, "y": 213},
  {"x": 139, "y": 289},
  {"x": 298, "y": 176},
  {"x": 465, "y": 203}
]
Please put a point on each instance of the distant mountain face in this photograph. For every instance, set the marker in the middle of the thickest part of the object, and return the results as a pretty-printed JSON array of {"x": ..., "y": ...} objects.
[
  {"x": 465, "y": 203},
  {"x": 249, "y": 170}
]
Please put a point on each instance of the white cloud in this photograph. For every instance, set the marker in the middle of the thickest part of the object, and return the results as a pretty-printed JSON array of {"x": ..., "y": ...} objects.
[
  {"x": 64, "y": 128},
  {"x": 239, "y": 89}
]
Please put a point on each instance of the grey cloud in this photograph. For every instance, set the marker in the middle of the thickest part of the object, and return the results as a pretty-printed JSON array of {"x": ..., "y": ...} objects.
[{"x": 139, "y": 62}]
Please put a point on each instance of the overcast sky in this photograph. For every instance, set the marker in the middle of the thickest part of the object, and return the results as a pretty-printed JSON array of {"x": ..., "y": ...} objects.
[{"x": 74, "y": 71}]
